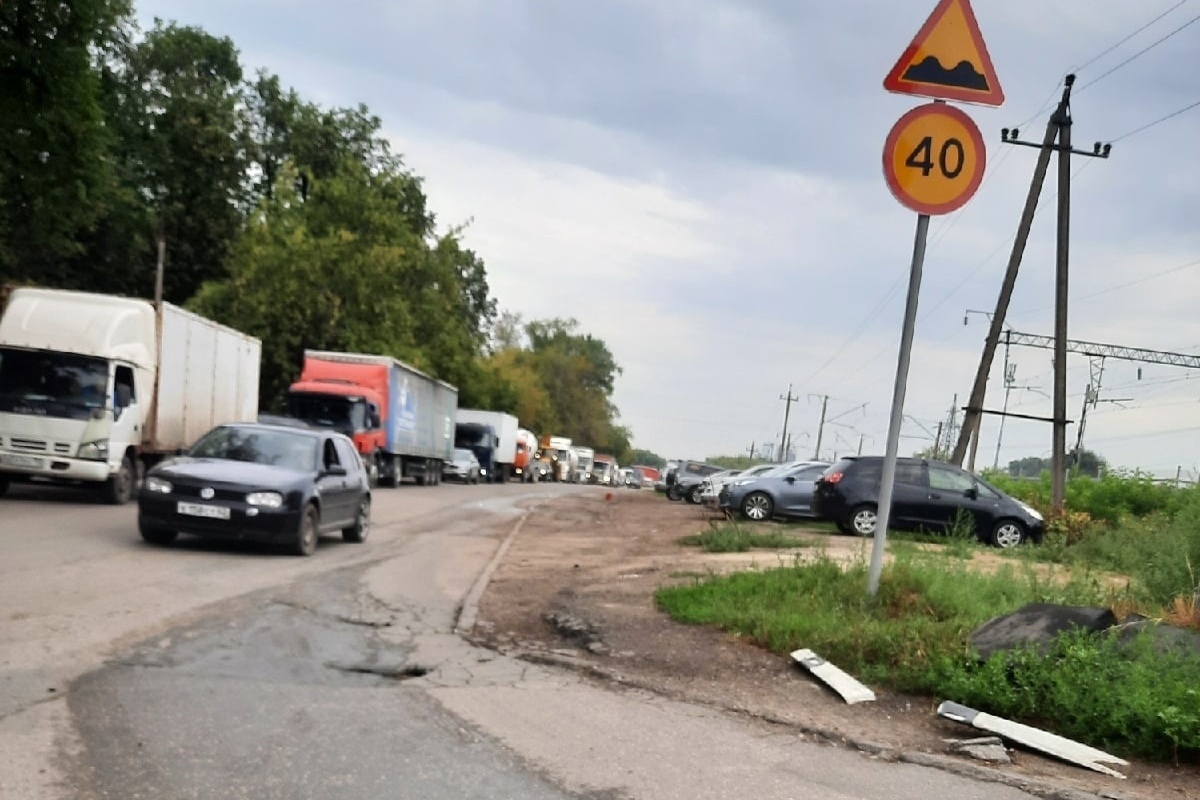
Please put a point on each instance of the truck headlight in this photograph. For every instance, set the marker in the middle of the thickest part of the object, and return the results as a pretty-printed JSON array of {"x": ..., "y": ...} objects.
[
  {"x": 158, "y": 485},
  {"x": 265, "y": 499},
  {"x": 94, "y": 451}
]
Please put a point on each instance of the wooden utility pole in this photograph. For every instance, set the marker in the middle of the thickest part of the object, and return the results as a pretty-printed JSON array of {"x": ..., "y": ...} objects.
[{"x": 783, "y": 442}]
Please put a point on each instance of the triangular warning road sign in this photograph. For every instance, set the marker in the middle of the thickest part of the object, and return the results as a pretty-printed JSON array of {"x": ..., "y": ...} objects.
[{"x": 948, "y": 59}]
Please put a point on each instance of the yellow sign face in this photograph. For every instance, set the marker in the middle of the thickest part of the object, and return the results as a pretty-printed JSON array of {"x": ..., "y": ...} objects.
[
  {"x": 948, "y": 59},
  {"x": 934, "y": 159}
]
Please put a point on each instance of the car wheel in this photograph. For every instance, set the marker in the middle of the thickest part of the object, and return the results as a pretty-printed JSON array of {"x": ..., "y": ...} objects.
[
  {"x": 673, "y": 493},
  {"x": 118, "y": 489},
  {"x": 357, "y": 533},
  {"x": 153, "y": 535},
  {"x": 693, "y": 496},
  {"x": 1008, "y": 533},
  {"x": 306, "y": 534},
  {"x": 758, "y": 507},
  {"x": 863, "y": 519}
]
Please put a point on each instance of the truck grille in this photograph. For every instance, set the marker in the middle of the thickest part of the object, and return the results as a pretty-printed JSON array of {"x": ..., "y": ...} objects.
[{"x": 32, "y": 445}]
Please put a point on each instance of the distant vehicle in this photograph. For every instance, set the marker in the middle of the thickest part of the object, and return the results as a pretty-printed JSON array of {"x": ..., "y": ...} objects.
[
  {"x": 684, "y": 482},
  {"x": 605, "y": 471},
  {"x": 261, "y": 483},
  {"x": 493, "y": 437},
  {"x": 711, "y": 486},
  {"x": 523, "y": 462},
  {"x": 400, "y": 419},
  {"x": 463, "y": 466},
  {"x": 96, "y": 388},
  {"x": 558, "y": 452},
  {"x": 785, "y": 492},
  {"x": 925, "y": 494},
  {"x": 584, "y": 464}
]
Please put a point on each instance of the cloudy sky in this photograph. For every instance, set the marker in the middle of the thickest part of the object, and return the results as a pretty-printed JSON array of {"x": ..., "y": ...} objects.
[{"x": 698, "y": 182}]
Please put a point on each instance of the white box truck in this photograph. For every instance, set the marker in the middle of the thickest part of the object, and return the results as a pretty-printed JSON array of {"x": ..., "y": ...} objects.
[
  {"x": 95, "y": 388},
  {"x": 492, "y": 436}
]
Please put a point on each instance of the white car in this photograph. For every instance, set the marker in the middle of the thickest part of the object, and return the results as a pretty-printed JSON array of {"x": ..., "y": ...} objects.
[{"x": 711, "y": 487}]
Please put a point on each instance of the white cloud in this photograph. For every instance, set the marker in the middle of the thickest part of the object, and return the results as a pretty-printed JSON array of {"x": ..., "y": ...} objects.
[{"x": 698, "y": 183}]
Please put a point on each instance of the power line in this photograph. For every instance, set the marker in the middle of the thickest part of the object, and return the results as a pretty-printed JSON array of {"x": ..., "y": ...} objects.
[
  {"x": 1094, "y": 59},
  {"x": 1158, "y": 121},
  {"x": 1115, "y": 288},
  {"x": 1138, "y": 54}
]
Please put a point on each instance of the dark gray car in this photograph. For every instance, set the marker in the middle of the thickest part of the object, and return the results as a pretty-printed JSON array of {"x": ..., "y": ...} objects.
[{"x": 786, "y": 493}]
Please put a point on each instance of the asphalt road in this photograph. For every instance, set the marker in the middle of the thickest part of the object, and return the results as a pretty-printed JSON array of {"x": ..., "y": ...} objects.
[{"x": 210, "y": 671}]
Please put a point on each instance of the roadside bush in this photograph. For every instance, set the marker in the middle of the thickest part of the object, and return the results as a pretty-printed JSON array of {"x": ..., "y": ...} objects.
[
  {"x": 1110, "y": 498},
  {"x": 1120, "y": 696},
  {"x": 733, "y": 538},
  {"x": 913, "y": 637}
]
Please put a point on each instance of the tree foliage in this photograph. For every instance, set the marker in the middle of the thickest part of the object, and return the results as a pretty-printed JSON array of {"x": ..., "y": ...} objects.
[{"x": 290, "y": 221}]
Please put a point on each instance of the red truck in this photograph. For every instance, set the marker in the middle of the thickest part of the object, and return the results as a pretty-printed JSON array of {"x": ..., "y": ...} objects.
[{"x": 401, "y": 420}]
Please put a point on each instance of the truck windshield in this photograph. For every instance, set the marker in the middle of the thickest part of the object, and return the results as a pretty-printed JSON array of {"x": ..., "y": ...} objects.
[
  {"x": 347, "y": 415},
  {"x": 471, "y": 436},
  {"x": 50, "y": 384}
]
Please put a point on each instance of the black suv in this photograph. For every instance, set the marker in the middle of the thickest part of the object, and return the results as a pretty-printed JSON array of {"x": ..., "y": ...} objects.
[{"x": 925, "y": 494}]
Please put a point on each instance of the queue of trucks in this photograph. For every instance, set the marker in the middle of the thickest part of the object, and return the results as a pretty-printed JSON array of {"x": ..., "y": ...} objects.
[{"x": 95, "y": 389}]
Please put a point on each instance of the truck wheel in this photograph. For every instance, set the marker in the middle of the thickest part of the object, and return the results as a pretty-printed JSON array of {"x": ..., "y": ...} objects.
[
  {"x": 306, "y": 534},
  {"x": 3, "y": 486},
  {"x": 118, "y": 489}
]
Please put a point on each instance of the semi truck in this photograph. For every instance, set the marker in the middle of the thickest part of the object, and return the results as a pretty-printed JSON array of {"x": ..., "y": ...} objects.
[
  {"x": 96, "y": 388},
  {"x": 523, "y": 462},
  {"x": 584, "y": 462},
  {"x": 492, "y": 436},
  {"x": 401, "y": 420},
  {"x": 558, "y": 451}
]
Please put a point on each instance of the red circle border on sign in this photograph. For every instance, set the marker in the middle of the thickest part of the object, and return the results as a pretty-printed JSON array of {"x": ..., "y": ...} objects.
[{"x": 976, "y": 138}]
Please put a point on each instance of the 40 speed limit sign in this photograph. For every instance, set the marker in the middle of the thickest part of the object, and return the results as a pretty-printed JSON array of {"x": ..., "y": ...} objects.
[{"x": 934, "y": 159}]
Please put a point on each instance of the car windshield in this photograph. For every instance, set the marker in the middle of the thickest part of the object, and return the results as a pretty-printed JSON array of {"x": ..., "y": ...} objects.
[
  {"x": 277, "y": 448},
  {"x": 52, "y": 384}
]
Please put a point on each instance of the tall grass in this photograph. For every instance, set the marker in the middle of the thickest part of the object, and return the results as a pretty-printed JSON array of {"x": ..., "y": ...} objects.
[{"x": 913, "y": 636}]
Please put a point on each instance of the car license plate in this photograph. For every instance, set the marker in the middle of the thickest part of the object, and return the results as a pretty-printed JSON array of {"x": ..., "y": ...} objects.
[
  {"x": 26, "y": 462},
  {"x": 202, "y": 510}
]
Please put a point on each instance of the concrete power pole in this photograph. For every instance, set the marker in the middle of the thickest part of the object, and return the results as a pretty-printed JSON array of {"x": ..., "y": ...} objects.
[
  {"x": 783, "y": 442},
  {"x": 1058, "y": 127},
  {"x": 820, "y": 427}
]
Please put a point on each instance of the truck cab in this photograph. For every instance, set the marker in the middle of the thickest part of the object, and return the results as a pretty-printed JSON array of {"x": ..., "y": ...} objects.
[
  {"x": 325, "y": 398},
  {"x": 480, "y": 439}
]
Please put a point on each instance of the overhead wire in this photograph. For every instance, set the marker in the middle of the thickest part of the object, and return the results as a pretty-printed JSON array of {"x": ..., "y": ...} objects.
[
  {"x": 947, "y": 225},
  {"x": 1138, "y": 54}
]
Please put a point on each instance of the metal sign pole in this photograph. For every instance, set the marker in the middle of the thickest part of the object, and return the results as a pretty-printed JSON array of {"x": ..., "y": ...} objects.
[{"x": 893, "y": 438}]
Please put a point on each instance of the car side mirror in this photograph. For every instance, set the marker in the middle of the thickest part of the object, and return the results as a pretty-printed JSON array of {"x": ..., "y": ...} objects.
[
  {"x": 791, "y": 478},
  {"x": 335, "y": 469},
  {"x": 972, "y": 493}
]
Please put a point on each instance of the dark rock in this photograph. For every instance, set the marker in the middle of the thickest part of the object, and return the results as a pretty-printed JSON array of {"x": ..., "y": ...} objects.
[
  {"x": 1037, "y": 624},
  {"x": 1165, "y": 639}
]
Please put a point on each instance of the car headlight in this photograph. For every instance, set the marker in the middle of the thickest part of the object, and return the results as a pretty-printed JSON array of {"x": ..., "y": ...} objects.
[
  {"x": 158, "y": 485},
  {"x": 94, "y": 451},
  {"x": 265, "y": 499},
  {"x": 743, "y": 482},
  {"x": 1031, "y": 511}
]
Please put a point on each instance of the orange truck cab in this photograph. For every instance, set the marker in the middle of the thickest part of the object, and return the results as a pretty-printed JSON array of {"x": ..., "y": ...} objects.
[{"x": 401, "y": 420}]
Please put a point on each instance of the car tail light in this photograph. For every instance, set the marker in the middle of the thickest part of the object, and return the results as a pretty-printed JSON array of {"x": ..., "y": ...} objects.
[{"x": 833, "y": 477}]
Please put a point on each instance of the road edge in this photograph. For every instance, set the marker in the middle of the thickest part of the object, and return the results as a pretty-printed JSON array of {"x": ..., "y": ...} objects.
[{"x": 469, "y": 610}]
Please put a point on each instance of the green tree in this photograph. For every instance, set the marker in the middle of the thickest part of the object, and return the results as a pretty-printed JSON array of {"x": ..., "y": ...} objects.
[
  {"x": 54, "y": 171},
  {"x": 175, "y": 103},
  {"x": 646, "y": 458}
]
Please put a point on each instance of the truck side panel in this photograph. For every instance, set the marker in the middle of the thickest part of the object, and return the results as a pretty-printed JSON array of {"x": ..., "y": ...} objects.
[
  {"x": 208, "y": 375},
  {"x": 416, "y": 424}
]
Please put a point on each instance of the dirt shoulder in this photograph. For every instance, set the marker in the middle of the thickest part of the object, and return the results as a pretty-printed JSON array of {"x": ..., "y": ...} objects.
[{"x": 576, "y": 588}]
